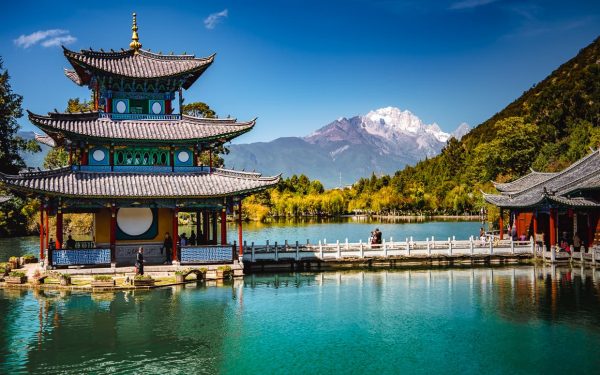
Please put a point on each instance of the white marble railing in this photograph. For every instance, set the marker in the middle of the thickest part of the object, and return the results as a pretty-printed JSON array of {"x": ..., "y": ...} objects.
[{"x": 408, "y": 248}]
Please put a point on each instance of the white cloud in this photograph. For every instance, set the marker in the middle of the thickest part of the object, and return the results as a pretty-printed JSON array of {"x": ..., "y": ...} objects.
[
  {"x": 48, "y": 38},
  {"x": 57, "y": 41},
  {"x": 468, "y": 4},
  {"x": 211, "y": 21}
]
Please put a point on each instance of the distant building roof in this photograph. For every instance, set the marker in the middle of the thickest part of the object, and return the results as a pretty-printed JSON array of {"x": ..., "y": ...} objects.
[
  {"x": 60, "y": 126},
  {"x": 120, "y": 185},
  {"x": 567, "y": 188},
  {"x": 140, "y": 64}
]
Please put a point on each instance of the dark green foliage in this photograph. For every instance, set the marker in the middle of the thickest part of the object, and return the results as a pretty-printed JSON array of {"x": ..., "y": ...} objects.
[{"x": 10, "y": 144}]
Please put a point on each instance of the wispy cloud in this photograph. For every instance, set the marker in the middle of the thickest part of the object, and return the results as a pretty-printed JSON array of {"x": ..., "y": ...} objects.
[
  {"x": 468, "y": 4},
  {"x": 211, "y": 21},
  {"x": 47, "y": 38}
]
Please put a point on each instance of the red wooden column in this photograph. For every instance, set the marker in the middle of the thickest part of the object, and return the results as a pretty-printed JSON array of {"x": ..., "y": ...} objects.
[
  {"x": 241, "y": 245},
  {"x": 205, "y": 226},
  {"x": 214, "y": 227},
  {"x": 223, "y": 227},
  {"x": 501, "y": 224},
  {"x": 590, "y": 230},
  {"x": 175, "y": 236},
  {"x": 200, "y": 239},
  {"x": 535, "y": 224},
  {"x": 113, "y": 234},
  {"x": 47, "y": 225},
  {"x": 552, "y": 228},
  {"x": 59, "y": 228},
  {"x": 42, "y": 230}
]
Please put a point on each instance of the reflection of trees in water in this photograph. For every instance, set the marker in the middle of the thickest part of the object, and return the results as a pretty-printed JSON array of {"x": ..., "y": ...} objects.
[
  {"x": 555, "y": 295},
  {"x": 148, "y": 331}
]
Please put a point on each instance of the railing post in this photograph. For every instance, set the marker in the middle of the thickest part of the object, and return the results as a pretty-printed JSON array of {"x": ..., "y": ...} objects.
[
  {"x": 347, "y": 245},
  {"x": 491, "y": 245},
  {"x": 297, "y": 251},
  {"x": 384, "y": 248},
  {"x": 276, "y": 252},
  {"x": 428, "y": 247},
  {"x": 512, "y": 245},
  {"x": 449, "y": 246},
  {"x": 252, "y": 252},
  {"x": 593, "y": 256},
  {"x": 532, "y": 240},
  {"x": 267, "y": 250},
  {"x": 408, "y": 247},
  {"x": 339, "y": 249},
  {"x": 433, "y": 242},
  {"x": 320, "y": 249},
  {"x": 362, "y": 249},
  {"x": 471, "y": 244},
  {"x": 286, "y": 245},
  {"x": 235, "y": 253},
  {"x": 552, "y": 255}
]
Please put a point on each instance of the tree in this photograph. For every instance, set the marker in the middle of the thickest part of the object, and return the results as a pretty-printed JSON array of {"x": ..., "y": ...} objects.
[
  {"x": 198, "y": 109},
  {"x": 58, "y": 157},
  {"x": 10, "y": 143}
]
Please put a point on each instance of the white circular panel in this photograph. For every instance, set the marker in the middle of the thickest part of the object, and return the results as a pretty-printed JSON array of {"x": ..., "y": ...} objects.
[
  {"x": 121, "y": 106},
  {"x": 134, "y": 221},
  {"x": 156, "y": 108},
  {"x": 183, "y": 156},
  {"x": 98, "y": 155}
]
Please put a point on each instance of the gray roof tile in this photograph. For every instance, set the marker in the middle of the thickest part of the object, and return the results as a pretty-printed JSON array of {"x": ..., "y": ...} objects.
[{"x": 67, "y": 182}]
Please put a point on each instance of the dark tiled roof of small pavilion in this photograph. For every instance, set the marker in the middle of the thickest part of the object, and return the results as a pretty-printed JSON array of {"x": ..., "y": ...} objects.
[
  {"x": 524, "y": 182},
  {"x": 558, "y": 188},
  {"x": 90, "y": 125},
  {"x": 142, "y": 185},
  {"x": 141, "y": 65}
]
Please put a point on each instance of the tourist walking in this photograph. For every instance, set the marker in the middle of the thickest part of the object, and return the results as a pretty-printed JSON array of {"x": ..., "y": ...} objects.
[
  {"x": 168, "y": 247},
  {"x": 139, "y": 262},
  {"x": 378, "y": 236}
]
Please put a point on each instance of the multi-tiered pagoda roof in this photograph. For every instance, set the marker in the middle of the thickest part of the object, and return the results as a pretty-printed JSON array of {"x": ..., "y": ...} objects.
[{"x": 568, "y": 188}]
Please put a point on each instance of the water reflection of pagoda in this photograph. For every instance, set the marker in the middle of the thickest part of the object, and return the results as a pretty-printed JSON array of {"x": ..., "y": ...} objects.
[{"x": 135, "y": 163}]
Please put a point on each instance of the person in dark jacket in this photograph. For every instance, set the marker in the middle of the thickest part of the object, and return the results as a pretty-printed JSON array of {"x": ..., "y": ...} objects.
[
  {"x": 139, "y": 262},
  {"x": 168, "y": 247},
  {"x": 192, "y": 240}
]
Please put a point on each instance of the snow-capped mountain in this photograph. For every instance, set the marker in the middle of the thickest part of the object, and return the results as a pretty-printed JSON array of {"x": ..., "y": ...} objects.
[
  {"x": 390, "y": 130},
  {"x": 382, "y": 141}
]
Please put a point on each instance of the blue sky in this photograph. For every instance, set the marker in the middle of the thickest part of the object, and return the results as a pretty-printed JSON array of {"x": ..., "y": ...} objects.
[{"x": 299, "y": 65}]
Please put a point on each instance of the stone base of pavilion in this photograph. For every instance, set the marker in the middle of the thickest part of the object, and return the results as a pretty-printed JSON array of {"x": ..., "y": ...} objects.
[{"x": 237, "y": 269}]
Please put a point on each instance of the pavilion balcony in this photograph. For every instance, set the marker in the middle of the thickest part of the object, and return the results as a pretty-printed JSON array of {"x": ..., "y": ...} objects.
[{"x": 138, "y": 116}]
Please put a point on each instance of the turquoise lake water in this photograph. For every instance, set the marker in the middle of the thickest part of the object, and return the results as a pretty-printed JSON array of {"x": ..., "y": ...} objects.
[
  {"x": 301, "y": 230},
  {"x": 519, "y": 320}
]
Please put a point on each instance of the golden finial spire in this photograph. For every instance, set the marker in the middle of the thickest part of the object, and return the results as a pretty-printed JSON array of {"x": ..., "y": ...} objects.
[{"x": 135, "y": 39}]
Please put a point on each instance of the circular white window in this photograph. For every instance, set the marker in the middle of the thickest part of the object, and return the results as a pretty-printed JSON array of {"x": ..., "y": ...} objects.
[
  {"x": 156, "y": 108},
  {"x": 134, "y": 221},
  {"x": 121, "y": 106},
  {"x": 98, "y": 155},
  {"x": 183, "y": 156}
]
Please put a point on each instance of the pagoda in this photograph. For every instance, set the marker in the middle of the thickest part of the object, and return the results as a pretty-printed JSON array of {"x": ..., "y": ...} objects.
[{"x": 134, "y": 163}]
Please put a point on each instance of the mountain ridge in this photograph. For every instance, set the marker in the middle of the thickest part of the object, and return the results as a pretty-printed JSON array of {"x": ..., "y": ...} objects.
[{"x": 380, "y": 142}]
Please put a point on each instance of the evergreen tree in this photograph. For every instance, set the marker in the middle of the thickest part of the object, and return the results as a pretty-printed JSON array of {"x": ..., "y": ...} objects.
[{"x": 10, "y": 143}]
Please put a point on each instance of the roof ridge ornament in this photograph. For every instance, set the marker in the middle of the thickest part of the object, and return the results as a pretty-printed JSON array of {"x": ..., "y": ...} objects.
[{"x": 135, "y": 44}]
